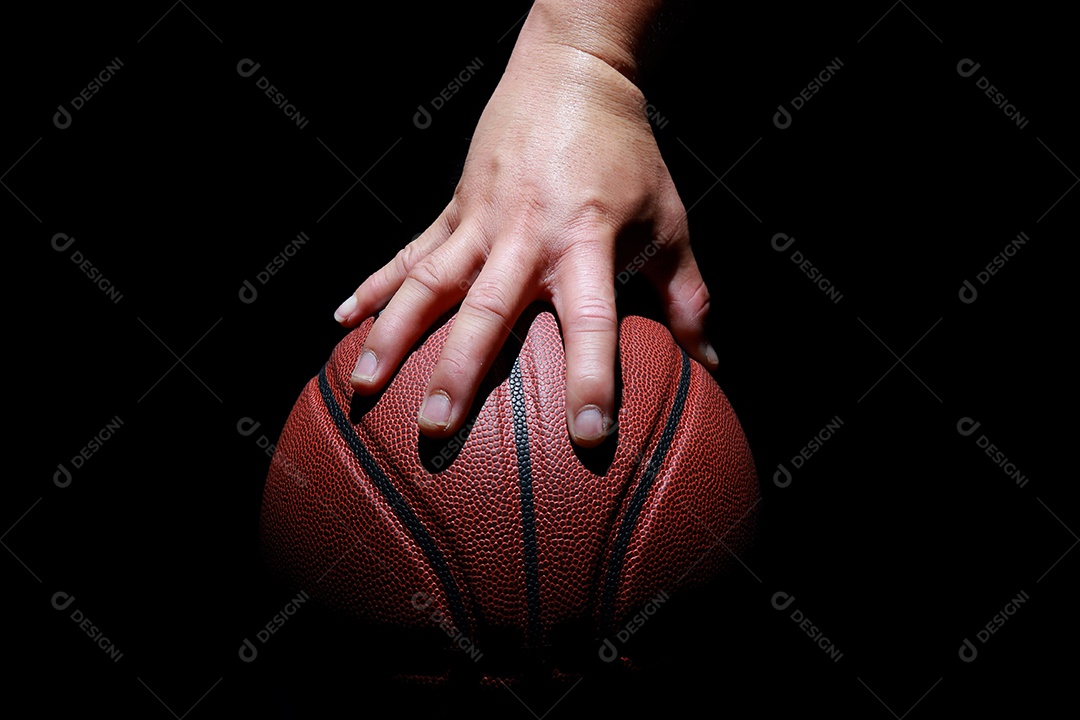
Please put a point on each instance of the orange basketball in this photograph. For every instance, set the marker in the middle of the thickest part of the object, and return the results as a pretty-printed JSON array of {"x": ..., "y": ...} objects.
[{"x": 507, "y": 526}]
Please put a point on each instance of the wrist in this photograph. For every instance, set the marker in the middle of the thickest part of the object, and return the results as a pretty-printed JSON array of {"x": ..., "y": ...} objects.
[{"x": 612, "y": 32}]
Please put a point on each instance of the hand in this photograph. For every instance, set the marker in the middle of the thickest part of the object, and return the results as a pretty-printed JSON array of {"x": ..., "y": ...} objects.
[{"x": 563, "y": 164}]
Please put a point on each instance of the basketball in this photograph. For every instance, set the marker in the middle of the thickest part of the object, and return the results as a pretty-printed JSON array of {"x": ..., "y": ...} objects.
[{"x": 507, "y": 527}]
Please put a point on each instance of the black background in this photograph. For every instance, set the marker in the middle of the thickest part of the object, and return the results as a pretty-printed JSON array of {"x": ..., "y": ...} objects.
[{"x": 899, "y": 180}]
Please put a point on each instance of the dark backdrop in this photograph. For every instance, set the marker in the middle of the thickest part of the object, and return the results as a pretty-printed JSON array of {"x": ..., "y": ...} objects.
[{"x": 899, "y": 537}]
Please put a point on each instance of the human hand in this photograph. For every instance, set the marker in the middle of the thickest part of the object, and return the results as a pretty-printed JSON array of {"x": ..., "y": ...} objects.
[{"x": 563, "y": 166}]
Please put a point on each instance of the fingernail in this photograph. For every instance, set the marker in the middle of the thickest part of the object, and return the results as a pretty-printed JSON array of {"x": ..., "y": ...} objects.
[
  {"x": 345, "y": 309},
  {"x": 710, "y": 355},
  {"x": 589, "y": 423},
  {"x": 365, "y": 367},
  {"x": 436, "y": 409}
]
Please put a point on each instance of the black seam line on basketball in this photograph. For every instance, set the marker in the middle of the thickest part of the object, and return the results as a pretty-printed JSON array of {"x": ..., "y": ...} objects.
[
  {"x": 399, "y": 504},
  {"x": 637, "y": 500},
  {"x": 528, "y": 508}
]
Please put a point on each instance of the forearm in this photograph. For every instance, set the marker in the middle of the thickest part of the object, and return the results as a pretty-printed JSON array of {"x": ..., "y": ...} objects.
[{"x": 616, "y": 31}]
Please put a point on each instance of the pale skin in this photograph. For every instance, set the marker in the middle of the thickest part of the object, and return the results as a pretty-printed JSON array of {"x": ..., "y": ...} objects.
[{"x": 562, "y": 172}]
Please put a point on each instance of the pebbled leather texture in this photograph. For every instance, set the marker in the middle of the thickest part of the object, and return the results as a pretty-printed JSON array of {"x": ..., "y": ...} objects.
[{"x": 506, "y": 526}]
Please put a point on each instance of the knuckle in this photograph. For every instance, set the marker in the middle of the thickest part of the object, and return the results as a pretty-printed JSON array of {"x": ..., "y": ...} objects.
[
  {"x": 408, "y": 256},
  {"x": 600, "y": 210},
  {"x": 532, "y": 215},
  {"x": 596, "y": 215},
  {"x": 427, "y": 275},
  {"x": 490, "y": 298},
  {"x": 694, "y": 302},
  {"x": 593, "y": 316},
  {"x": 453, "y": 369},
  {"x": 590, "y": 378}
]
